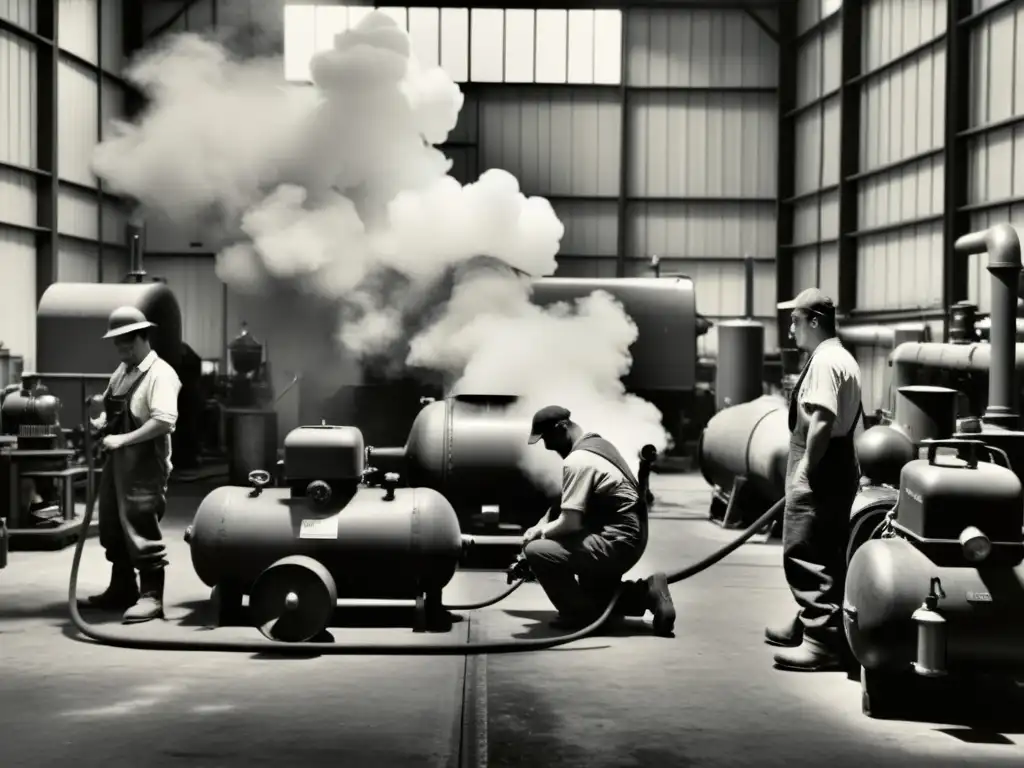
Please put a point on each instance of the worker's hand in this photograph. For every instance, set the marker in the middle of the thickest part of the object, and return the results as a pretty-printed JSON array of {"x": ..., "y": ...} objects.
[
  {"x": 113, "y": 442},
  {"x": 531, "y": 534}
]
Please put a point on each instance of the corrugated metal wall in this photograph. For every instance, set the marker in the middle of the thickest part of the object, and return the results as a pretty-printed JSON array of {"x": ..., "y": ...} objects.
[
  {"x": 996, "y": 145},
  {"x": 89, "y": 92},
  {"x": 702, "y": 156},
  {"x": 905, "y": 91},
  {"x": 700, "y": 133},
  {"x": 901, "y": 170}
]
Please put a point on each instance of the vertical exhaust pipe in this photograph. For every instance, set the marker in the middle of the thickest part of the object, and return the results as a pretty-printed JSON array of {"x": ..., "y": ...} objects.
[
  {"x": 1003, "y": 247},
  {"x": 136, "y": 229}
]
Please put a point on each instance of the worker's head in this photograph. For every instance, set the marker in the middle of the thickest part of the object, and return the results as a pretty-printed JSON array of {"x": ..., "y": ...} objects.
[
  {"x": 553, "y": 425},
  {"x": 812, "y": 318},
  {"x": 129, "y": 330}
]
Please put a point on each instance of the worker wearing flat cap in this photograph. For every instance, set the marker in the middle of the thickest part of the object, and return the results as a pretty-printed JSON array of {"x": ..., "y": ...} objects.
[
  {"x": 580, "y": 549},
  {"x": 822, "y": 477},
  {"x": 140, "y": 408}
]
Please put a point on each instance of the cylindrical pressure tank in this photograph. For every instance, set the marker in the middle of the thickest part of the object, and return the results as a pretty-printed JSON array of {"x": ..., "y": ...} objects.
[
  {"x": 469, "y": 449},
  {"x": 739, "y": 375},
  {"x": 887, "y": 581},
  {"x": 749, "y": 440},
  {"x": 32, "y": 414},
  {"x": 72, "y": 319},
  {"x": 373, "y": 547},
  {"x": 925, "y": 413}
]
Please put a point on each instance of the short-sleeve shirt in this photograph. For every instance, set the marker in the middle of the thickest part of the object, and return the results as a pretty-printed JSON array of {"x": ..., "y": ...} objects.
[
  {"x": 156, "y": 397},
  {"x": 594, "y": 487},
  {"x": 833, "y": 383}
]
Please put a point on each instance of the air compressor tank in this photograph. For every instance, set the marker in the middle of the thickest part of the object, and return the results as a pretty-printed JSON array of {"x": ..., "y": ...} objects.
[
  {"x": 748, "y": 441},
  {"x": 958, "y": 520},
  {"x": 374, "y": 547},
  {"x": 739, "y": 375},
  {"x": 469, "y": 449},
  {"x": 887, "y": 581},
  {"x": 72, "y": 318}
]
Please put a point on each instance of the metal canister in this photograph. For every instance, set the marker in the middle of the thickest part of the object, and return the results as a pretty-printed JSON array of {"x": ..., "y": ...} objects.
[{"x": 931, "y": 635}]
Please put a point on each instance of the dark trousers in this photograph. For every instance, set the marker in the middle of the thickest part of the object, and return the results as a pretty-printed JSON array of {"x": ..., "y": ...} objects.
[
  {"x": 815, "y": 533},
  {"x": 580, "y": 573},
  {"x": 130, "y": 521}
]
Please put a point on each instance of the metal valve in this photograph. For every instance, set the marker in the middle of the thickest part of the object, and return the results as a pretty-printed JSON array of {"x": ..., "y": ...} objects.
[
  {"x": 388, "y": 484},
  {"x": 258, "y": 479}
]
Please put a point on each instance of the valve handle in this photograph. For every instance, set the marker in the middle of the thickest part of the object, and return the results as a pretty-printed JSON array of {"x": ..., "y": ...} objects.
[
  {"x": 259, "y": 478},
  {"x": 968, "y": 447}
]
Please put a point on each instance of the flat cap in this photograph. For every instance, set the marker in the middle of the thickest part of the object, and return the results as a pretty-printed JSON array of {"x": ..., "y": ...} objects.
[
  {"x": 811, "y": 300},
  {"x": 546, "y": 418}
]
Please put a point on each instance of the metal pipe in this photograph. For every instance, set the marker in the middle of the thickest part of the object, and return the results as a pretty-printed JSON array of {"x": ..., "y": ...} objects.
[
  {"x": 1003, "y": 247},
  {"x": 748, "y": 285},
  {"x": 136, "y": 233},
  {"x": 879, "y": 335}
]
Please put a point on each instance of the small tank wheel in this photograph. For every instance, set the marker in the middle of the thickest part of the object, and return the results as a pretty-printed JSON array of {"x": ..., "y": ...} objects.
[
  {"x": 293, "y": 600},
  {"x": 226, "y": 600}
]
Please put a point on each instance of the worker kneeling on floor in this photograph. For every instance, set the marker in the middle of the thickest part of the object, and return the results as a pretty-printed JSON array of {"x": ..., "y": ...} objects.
[
  {"x": 140, "y": 408},
  {"x": 579, "y": 551}
]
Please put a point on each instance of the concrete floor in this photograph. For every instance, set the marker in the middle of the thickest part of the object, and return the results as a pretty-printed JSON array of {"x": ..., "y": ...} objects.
[{"x": 708, "y": 697}]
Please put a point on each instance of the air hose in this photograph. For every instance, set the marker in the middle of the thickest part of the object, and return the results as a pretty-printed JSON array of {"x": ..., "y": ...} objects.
[{"x": 378, "y": 649}]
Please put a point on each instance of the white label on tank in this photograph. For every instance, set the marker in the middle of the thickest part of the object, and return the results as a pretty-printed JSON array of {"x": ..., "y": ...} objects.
[
  {"x": 490, "y": 512},
  {"x": 319, "y": 528}
]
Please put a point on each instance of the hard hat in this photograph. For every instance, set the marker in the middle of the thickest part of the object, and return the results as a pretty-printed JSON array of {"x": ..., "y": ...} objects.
[{"x": 126, "y": 320}]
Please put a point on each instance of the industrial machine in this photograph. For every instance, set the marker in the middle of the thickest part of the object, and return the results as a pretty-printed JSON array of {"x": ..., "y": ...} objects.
[
  {"x": 468, "y": 448},
  {"x": 326, "y": 535},
  {"x": 663, "y": 370},
  {"x": 35, "y": 460},
  {"x": 249, "y": 418},
  {"x": 933, "y": 594}
]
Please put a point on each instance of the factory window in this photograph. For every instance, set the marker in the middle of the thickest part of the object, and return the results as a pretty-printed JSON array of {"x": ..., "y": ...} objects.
[{"x": 486, "y": 45}]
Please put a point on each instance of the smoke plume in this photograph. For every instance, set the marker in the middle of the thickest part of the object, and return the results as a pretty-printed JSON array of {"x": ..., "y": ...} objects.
[{"x": 338, "y": 193}]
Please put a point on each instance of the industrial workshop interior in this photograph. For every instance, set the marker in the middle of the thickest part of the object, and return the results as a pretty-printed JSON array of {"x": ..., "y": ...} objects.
[{"x": 601, "y": 385}]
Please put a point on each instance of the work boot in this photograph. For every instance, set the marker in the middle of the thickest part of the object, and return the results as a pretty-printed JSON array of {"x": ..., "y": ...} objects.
[
  {"x": 810, "y": 656},
  {"x": 788, "y": 635},
  {"x": 150, "y": 604},
  {"x": 659, "y": 603},
  {"x": 121, "y": 593}
]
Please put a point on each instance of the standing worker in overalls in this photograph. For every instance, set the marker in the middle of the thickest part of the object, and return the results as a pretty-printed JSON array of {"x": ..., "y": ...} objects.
[
  {"x": 822, "y": 477},
  {"x": 140, "y": 408}
]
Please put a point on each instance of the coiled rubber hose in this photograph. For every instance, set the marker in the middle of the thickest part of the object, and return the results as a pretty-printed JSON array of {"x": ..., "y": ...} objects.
[{"x": 378, "y": 649}]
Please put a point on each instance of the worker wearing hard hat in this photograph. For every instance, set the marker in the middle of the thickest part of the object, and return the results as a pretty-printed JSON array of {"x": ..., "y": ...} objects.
[
  {"x": 822, "y": 477},
  {"x": 140, "y": 408},
  {"x": 598, "y": 533}
]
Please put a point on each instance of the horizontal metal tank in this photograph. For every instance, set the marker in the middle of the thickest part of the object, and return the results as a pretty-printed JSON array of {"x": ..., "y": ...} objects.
[
  {"x": 750, "y": 440},
  {"x": 374, "y": 548},
  {"x": 665, "y": 312},
  {"x": 469, "y": 449},
  {"x": 888, "y": 580},
  {"x": 72, "y": 319}
]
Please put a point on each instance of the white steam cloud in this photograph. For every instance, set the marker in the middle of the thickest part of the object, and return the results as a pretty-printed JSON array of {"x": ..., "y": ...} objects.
[{"x": 338, "y": 192}]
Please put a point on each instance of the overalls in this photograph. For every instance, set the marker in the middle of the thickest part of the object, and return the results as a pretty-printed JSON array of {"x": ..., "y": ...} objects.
[
  {"x": 597, "y": 558},
  {"x": 815, "y": 527},
  {"x": 132, "y": 495}
]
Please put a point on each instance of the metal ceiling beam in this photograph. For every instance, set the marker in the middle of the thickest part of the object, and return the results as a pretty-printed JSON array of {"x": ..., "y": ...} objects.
[
  {"x": 785, "y": 162},
  {"x": 955, "y": 221},
  {"x": 849, "y": 149},
  {"x": 47, "y": 100}
]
